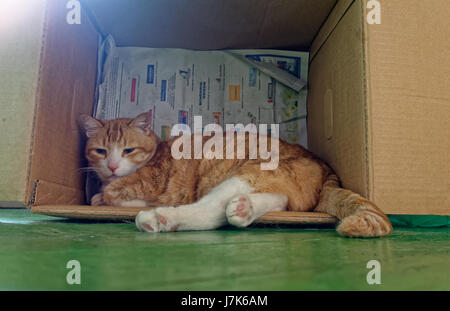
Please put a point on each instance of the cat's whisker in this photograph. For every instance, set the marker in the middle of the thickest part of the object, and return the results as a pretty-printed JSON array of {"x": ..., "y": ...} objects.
[{"x": 86, "y": 169}]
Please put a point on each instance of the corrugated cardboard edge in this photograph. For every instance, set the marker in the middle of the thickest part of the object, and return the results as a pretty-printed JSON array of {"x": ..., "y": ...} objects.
[
  {"x": 367, "y": 107},
  {"x": 44, "y": 193},
  {"x": 114, "y": 213},
  {"x": 330, "y": 24},
  {"x": 300, "y": 218}
]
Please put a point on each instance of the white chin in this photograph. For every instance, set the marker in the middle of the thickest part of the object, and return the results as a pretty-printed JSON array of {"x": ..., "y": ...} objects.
[
  {"x": 112, "y": 178},
  {"x": 118, "y": 175}
]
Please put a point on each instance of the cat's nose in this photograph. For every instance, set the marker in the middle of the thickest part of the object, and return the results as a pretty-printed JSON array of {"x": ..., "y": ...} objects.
[{"x": 113, "y": 167}]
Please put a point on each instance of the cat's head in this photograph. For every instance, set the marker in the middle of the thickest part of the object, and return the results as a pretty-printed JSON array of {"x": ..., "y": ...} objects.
[{"x": 118, "y": 147}]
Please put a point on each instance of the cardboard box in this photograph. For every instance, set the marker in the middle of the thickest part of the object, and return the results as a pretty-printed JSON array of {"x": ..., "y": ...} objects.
[
  {"x": 379, "y": 103},
  {"x": 378, "y": 100}
]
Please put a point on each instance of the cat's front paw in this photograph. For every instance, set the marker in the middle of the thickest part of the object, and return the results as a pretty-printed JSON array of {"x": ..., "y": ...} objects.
[
  {"x": 118, "y": 193},
  {"x": 113, "y": 194},
  {"x": 97, "y": 200},
  {"x": 365, "y": 224},
  {"x": 162, "y": 219}
]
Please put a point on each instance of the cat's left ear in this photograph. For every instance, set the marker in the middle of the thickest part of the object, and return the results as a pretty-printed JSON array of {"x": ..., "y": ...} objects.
[
  {"x": 143, "y": 123},
  {"x": 90, "y": 124}
]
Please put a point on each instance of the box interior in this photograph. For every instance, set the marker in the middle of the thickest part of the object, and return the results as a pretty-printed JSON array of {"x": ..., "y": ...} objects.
[
  {"x": 342, "y": 114},
  {"x": 69, "y": 64}
]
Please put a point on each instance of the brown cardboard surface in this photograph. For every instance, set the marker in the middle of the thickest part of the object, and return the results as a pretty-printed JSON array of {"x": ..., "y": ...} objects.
[
  {"x": 45, "y": 192},
  {"x": 409, "y": 96},
  {"x": 88, "y": 212},
  {"x": 66, "y": 89},
  {"x": 336, "y": 102},
  {"x": 129, "y": 214},
  {"x": 296, "y": 218},
  {"x": 333, "y": 19},
  {"x": 219, "y": 24},
  {"x": 20, "y": 51}
]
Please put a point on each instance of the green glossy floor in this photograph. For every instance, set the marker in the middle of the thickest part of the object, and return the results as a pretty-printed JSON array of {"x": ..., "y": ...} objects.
[{"x": 34, "y": 251}]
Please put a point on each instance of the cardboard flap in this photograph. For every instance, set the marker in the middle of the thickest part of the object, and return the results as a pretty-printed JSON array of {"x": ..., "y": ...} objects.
[
  {"x": 409, "y": 96},
  {"x": 65, "y": 90},
  {"x": 206, "y": 25},
  {"x": 45, "y": 192},
  {"x": 20, "y": 51},
  {"x": 330, "y": 24}
]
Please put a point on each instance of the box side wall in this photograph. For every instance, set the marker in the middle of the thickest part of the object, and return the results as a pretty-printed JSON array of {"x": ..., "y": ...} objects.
[
  {"x": 66, "y": 89},
  {"x": 336, "y": 102},
  {"x": 21, "y": 37},
  {"x": 329, "y": 25},
  {"x": 409, "y": 95}
]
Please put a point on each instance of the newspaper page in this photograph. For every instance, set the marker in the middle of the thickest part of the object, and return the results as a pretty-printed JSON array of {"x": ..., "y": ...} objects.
[{"x": 174, "y": 85}]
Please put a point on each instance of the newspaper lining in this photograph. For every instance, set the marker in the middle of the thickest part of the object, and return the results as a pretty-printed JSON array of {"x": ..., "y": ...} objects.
[{"x": 174, "y": 85}]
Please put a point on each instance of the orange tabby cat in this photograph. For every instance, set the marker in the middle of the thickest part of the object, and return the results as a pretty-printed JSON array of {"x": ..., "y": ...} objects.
[{"x": 137, "y": 169}]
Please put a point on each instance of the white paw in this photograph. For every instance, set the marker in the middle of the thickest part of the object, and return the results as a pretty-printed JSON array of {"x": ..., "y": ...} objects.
[
  {"x": 161, "y": 219},
  {"x": 240, "y": 211},
  {"x": 97, "y": 200}
]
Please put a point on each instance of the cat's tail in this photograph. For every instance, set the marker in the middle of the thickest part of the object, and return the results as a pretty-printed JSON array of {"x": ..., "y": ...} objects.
[{"x": 358, "y": 216}]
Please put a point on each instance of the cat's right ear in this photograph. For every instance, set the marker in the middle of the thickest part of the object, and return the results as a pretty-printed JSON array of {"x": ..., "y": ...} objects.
[
  {"x": 90, "y": 124},
  {"x": 143, "y": 123}
]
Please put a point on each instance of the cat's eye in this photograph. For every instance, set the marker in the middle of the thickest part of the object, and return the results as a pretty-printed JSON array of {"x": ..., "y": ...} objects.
[
  {"x": 128, "y": 150},
  {"x": 101, "y": 151}
]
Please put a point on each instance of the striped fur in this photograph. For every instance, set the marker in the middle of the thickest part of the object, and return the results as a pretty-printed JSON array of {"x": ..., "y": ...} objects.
[{"x": 155, "y": 178}]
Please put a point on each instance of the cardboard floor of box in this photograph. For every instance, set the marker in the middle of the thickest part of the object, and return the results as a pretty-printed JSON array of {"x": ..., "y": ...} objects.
[{"x": 114, "y": 213}]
